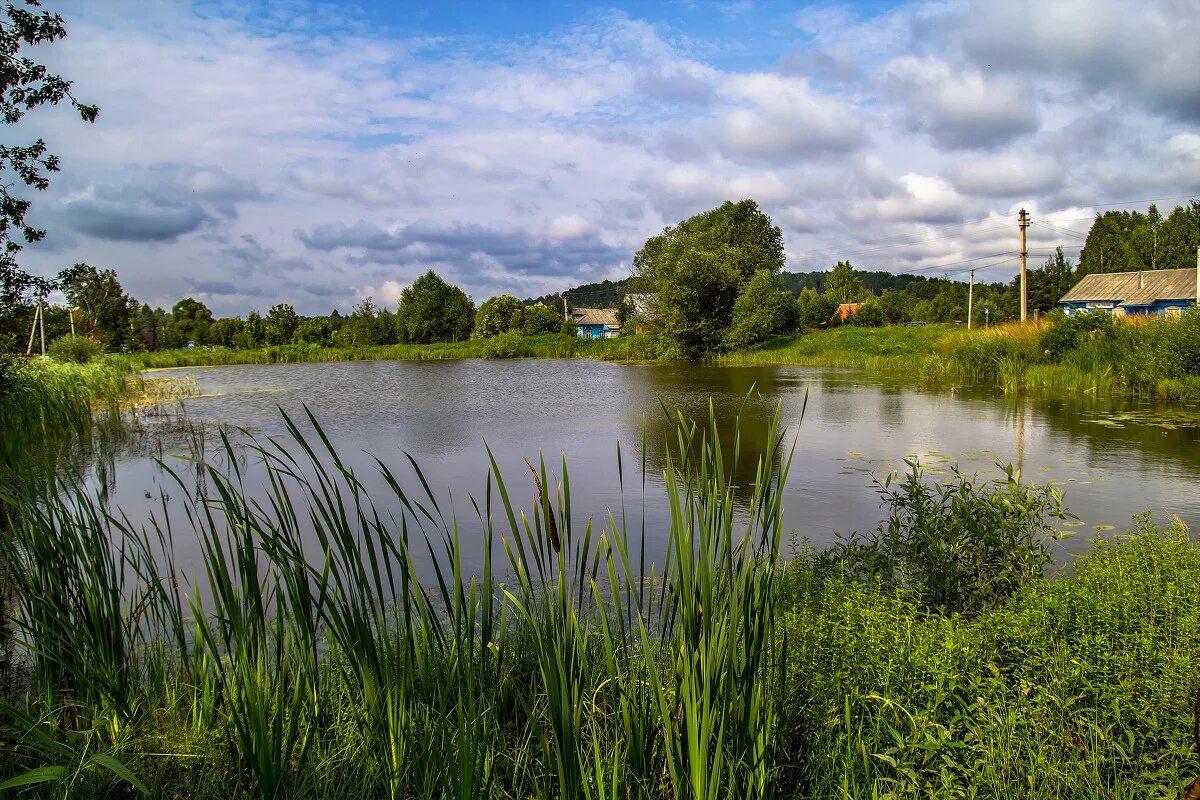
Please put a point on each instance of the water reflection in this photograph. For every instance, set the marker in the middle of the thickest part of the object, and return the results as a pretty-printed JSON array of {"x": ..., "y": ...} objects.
[{"x": 1112, "y": 458}]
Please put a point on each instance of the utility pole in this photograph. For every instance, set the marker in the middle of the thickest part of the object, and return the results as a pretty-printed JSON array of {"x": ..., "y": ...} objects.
[
  {"x": 71, "y": 312},
  {"x": 566, "y": 314},
  {"x": 1023, "y": 223},
  {"x": 37, "y": 310},
  {"x": 970, "y": 299}
]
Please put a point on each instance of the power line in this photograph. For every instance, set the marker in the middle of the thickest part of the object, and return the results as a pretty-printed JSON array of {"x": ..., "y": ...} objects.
[{"x": 1059, "y": 229}]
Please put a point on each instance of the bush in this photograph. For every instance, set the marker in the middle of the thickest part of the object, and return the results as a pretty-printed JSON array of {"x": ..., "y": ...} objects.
[
  {"x": 11, "y": 372},
  {"x": 869, "y": 314},
  {"x": 504, "y": 345},
  {"x": 75, "y": 349},
  {"x": 761, "y": 310},
  {"x": 960, "y": 546},
  {"x": 1068, "y": 333}
]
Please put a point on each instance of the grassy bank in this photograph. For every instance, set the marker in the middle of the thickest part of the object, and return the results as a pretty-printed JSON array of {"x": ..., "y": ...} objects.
[
  {"x": 309, "y": 659},
  {"x": 1152, "y": 358},
  {"x": 46, "y": 406},
  {"x": 48, "y": 409},
  {"x": 503, "y": 346}
]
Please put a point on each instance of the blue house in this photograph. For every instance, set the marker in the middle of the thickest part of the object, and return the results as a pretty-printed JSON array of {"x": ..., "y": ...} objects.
[
  {"x": 1159, "y": 293},
  {"x": 596, "y": 323}
]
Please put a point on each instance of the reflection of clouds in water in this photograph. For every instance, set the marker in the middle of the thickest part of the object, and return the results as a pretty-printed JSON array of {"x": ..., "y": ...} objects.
[{"x": 441, "y": 413}]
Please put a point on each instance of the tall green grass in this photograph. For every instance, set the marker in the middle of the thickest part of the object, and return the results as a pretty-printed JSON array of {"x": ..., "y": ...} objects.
[
  {"x": 47, "y": 407},
  {"x": 1077, "y": 687},
  {"x": 332, "y": 645},
  {"x": 309, "y": 659}
]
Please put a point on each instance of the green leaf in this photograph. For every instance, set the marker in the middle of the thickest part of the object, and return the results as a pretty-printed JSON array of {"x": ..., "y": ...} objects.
[
  {"x": 39, "y": 775},
  {"x": 120, "y": 770}
]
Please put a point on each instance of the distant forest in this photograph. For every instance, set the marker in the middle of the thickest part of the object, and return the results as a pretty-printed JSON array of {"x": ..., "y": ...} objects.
[{"x": 432, "y": 310}]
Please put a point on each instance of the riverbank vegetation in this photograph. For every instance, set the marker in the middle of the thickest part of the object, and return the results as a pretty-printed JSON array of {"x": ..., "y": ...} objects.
[
  {"x": 1089, "y": 354},
  {"x": 306, "y": 657}
]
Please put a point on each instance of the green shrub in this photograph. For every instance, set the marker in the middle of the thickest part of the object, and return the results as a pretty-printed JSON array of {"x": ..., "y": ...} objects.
[
  {"x": 504, "y": 345},
  {"x": 1068, "y": 333},
  {"x": 75, "y": 349},
  {"x": 869, "y": 314},
  {"x": 959, "y": 546},
  {"x": 11, "y": 371}
]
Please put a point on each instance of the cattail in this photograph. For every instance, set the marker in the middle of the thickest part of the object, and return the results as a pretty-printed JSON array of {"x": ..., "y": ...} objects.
[{"x": 551, "y": 525}]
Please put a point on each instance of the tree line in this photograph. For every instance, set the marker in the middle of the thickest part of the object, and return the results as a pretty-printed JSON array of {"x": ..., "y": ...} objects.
[
  {"x": 716, "y": 279},
  {"x": 713, "y": 282},
  {"x": 430, "y": 311}
]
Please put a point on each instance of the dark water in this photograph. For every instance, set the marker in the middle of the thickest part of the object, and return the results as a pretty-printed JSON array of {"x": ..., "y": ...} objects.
[{"x": 1112, "y": 459}]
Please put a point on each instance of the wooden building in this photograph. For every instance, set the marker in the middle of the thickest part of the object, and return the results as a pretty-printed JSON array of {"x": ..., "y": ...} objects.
[{"x": 1160, "y": 292}]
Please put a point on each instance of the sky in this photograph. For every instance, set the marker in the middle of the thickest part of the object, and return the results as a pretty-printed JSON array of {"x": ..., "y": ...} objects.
[{"x": 319, "y": 153}]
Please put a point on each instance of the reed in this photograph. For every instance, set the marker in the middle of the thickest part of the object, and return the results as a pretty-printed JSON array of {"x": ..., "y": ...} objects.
[
  {"x": 307, "y": 657},
  {"x": 309, "y": 638}
]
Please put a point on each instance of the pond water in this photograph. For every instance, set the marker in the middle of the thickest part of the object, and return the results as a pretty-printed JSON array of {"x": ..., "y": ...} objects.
[{"x": 1112, "y": 458}]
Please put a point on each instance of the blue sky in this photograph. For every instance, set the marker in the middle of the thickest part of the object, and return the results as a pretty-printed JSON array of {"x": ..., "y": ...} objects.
[{"x": 320, "y": 153}]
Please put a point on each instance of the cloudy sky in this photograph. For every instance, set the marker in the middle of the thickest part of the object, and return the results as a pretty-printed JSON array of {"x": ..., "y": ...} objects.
[{"x": 321, "y": 152}]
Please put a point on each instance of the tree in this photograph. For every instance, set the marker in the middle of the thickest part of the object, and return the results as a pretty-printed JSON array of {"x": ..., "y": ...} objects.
[
  {"x": 193, "y": 319},
  {"x": 539, "y": 318},
  {"x": 896, "y": 306},
  {"x": 814, "y": 310},
  {"x": 1045, "y": 285},
  {"x": 869, "y": 314},
  {"x": 761, "y": 310},
  {"x": 281, "y": 324},
  {"x": 104, "y": 306},
  {"x": 498, "y": 315},
  {"x": 25, "y": 85},
  {"x": 1130, "y": 241},
  {"x": 697, "y": 269},
  {"x": 432, "y": 310},
  {"x": 842, "y": 284},
  {"x": 223, "y": 331},
  {"x": 314, "y": 330},
  {"x": 361, "y": 328},
  {"x": 255, "y": 331}
]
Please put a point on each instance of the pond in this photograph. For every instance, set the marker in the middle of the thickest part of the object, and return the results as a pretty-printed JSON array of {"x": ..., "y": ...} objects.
[{"x": 1111, "y": 458}]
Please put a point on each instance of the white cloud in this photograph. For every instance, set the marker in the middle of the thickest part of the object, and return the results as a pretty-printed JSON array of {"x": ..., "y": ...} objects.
[
  {"x": 313, "y": 161},
  {"x": 958, "y": 108},
  {"x": 1006, "y": 174},
  {"x": 782, "y": 118},
  {"x": 919, "y": 198}
]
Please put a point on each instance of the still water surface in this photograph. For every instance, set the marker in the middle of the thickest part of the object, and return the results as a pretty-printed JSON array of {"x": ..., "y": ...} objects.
[{"x": 1112, "y": 458}]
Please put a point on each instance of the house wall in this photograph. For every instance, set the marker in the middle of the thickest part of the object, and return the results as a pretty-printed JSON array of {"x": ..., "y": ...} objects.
[
  {"x": 596, "y": 332},
  {"x": 1159, "y": 308}
]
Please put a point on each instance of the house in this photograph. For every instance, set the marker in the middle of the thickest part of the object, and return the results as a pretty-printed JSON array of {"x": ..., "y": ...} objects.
[
  {"x": 596, "y": 323},
  {"x": 1160, "y": 292},
  {"x": 847, "y": 310}
]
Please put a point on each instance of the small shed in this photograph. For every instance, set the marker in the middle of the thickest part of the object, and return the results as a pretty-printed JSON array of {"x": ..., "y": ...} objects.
[
  {"x": 847, "y": 310},
  {"x": 596, "y": 323},
  {"x": 1160, "y": 292}
]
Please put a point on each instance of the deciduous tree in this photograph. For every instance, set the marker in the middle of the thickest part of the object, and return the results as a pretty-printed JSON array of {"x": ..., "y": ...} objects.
[
  {"x": 498, "y": 315},
  {"x": 25, "y": 85},
  {"x": 104, "y": 306},
  {"x": 281, "y": 324},
  {"x": 843, "y": 285},
  {"x": 761, "y": 310},
  {"x": 697, "y": 269},
  {"x": 432, "y": 310}
]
